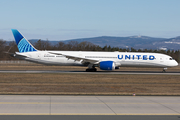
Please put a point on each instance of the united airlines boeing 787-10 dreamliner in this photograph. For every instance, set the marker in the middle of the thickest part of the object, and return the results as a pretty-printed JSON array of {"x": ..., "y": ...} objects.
[{"x": 103, "y": 60}]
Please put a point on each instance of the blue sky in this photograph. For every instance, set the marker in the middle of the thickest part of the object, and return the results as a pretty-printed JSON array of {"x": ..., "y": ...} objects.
[{"x": 70, "y": 19}]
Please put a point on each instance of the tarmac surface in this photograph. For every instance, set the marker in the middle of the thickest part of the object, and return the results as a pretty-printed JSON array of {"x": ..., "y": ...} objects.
[
  {"x": 89, "y": 105},
  {"x": 98, "y": 72},
  {"x": 89, "y": 117}
]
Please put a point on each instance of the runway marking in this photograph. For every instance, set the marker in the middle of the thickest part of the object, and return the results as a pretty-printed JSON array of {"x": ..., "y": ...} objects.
[
  {"x": 76, "y": 103},
  {"x": 100, "y": 72},
  {"x": 87, "y": 114}
]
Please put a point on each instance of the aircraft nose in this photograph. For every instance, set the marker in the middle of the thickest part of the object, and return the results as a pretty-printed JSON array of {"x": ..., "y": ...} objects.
[
  {"x": 176, "y": 63},
  {"x": 173, "y": 63}
]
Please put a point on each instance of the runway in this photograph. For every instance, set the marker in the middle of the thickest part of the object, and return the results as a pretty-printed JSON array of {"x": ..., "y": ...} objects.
[
  {"x": 98, "y": 72},
  {"x": 88, "y": 105}
]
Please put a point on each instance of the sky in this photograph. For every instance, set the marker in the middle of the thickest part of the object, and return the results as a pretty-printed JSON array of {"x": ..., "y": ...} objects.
[{"x": 71, "y": 19}]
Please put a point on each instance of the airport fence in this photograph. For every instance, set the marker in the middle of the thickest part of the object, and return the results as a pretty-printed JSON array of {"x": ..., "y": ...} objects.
[{"x": 15, "y": 62}]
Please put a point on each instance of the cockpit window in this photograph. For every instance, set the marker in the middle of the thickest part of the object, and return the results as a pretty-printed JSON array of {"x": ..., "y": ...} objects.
[{"x": 171, "y": 59}]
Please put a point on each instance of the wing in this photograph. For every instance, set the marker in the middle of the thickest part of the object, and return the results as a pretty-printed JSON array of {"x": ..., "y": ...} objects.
[{"x": 77, "y": 58}]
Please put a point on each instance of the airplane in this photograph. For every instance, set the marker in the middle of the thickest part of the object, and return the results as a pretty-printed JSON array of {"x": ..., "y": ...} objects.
[{"x": 104, "y": 60}]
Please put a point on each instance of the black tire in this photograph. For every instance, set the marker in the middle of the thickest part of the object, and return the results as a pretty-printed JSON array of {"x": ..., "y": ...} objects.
[{"x": 91, "y": 70}]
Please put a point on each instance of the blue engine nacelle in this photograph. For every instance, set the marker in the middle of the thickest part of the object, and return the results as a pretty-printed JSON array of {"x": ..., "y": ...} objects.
[{"x": 107, "y": 65}]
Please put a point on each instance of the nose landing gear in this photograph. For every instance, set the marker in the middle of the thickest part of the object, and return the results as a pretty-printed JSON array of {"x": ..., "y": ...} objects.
[{"x": 164, "y": 70}]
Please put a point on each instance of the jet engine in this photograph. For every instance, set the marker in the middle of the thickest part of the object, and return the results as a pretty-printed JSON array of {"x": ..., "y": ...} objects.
[{"x": 107, "y": 65}]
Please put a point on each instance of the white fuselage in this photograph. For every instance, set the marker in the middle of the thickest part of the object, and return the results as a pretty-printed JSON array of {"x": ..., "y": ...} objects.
[{"x": 121, "y": 59}]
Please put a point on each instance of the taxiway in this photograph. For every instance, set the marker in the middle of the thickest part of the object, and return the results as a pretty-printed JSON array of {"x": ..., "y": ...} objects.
[{"x": 88, "y": 105}]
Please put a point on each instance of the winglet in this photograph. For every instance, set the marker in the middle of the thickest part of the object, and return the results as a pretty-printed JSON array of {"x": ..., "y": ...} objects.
[{"x": 22, "y": 43}]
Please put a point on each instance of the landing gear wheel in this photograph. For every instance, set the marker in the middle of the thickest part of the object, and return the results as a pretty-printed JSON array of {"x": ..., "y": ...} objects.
[
  {"x": 91, "y": 70},
  {"x": 164, "y": 70}
]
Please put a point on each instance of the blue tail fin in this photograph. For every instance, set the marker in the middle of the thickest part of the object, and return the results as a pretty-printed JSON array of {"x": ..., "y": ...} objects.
[{"x": 22, "y": 43}]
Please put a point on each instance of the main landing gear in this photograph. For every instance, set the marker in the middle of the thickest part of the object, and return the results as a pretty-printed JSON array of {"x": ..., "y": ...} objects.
[
  {"x": 164, "y": 70},
  {"x": 91, "y": 68}
]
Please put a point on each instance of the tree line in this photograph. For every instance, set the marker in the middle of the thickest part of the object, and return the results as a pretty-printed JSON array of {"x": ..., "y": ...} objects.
[{"x": 76, "y": 46}]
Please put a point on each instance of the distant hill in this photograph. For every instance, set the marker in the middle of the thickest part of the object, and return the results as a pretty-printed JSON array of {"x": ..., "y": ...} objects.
[
  {"x": 137, "y": 42},
  {"x": 172, "y": 43},
  {"x": 123, "y": 42}
]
